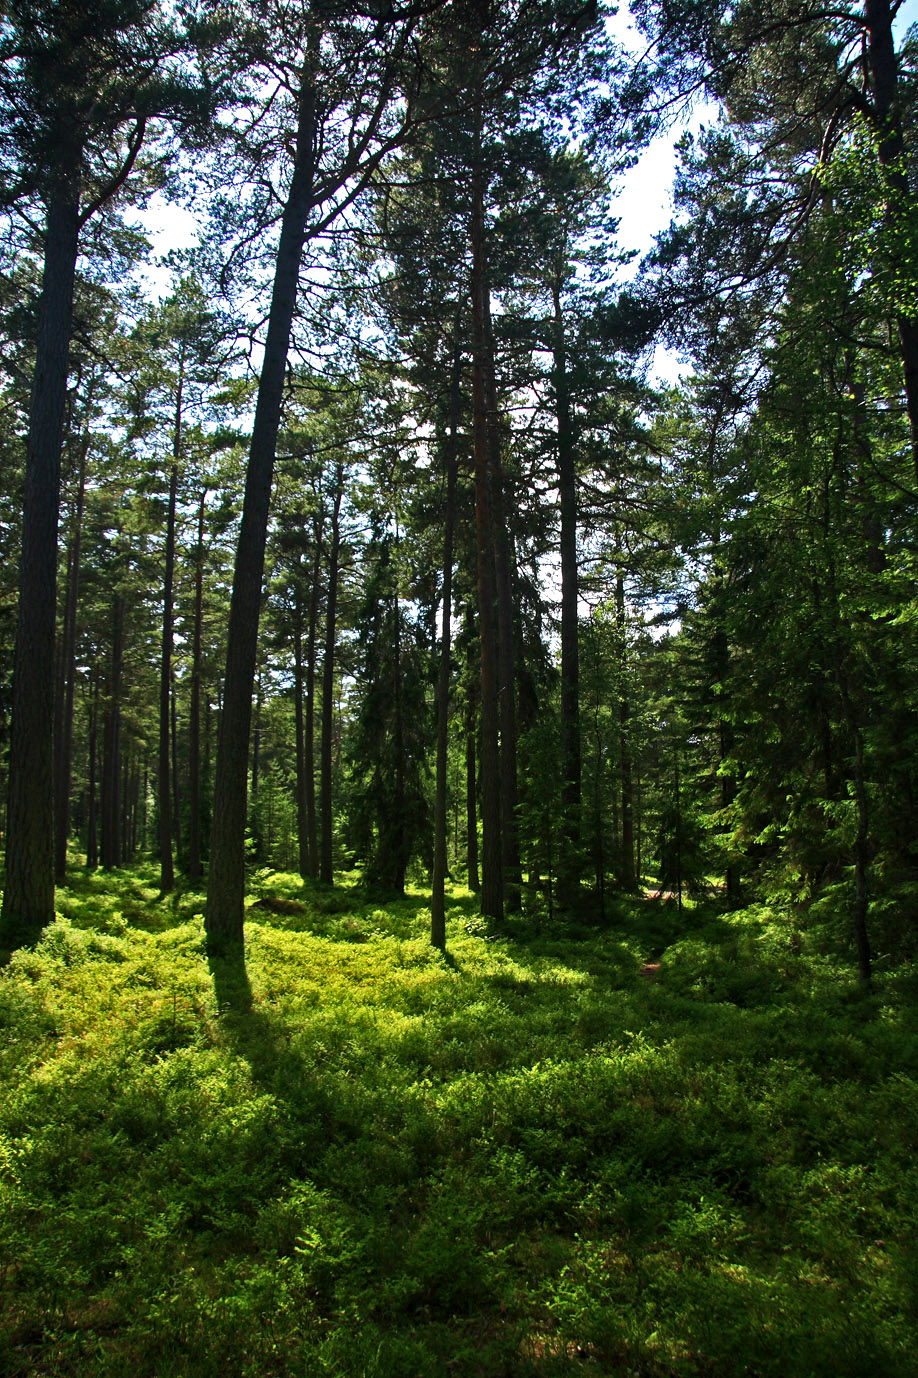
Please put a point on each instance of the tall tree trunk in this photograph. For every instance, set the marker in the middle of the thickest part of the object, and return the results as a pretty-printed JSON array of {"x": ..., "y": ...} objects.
[
  {"x": 135, "y": 804},
  {"x": 92, "y": 823},
  {"x": 129, "y": 804},
  {"x": 299, "y": 690},
  {"x": 226, "y": 875},
  {"x": 613, "y": 810},
  {"x": 638, "y": 828},
  {"x": 862, "y": 832},
  {"x": 861, "y": 940},
  {"x": 471, "y": 774},
  {"x": 437, "y": 898},
  {"x": 506, "y": 660},
  {"x": 900, "y": 205},
  {"x": 327, "y": 863},
  {"x": 28, "y": 895},
  {"x": 194, "y": 714},
  {"x": 401, "y": 850},
  {"x": 624, "y": 738},
  {"x": 211, "y": 726},
  {"x": 725, "y": 735},
  {"x": 143, "y": 806},
  {"x": 110, "y": 850},
  {"x": 176, "y": 786},
  {"x": 599, "y": 850},
  {"x": 506, "y": 653},
  {"x": 124, "y": 799},
  {"x": 678, "y": 803},
  {"x": 568, "y": 865},
  {"x": 164, "y": 794},
  {"x": 309, "y": 727},
  {"x": 721, "y": 654},
  {"x": 492, "y": 888},
  {"x": 63, "y": 734},
  {"x": 255, "y": 810}
]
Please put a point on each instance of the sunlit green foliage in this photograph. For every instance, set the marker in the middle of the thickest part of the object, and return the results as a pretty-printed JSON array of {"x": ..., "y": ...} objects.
[{"x": 540, "y": 1154}]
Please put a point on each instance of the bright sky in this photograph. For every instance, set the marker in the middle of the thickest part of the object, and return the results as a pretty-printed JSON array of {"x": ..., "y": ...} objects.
[{"x": 644, "y": 202}]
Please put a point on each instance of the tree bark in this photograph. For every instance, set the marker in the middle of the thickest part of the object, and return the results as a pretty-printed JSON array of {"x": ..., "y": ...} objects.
[
  {"x": 503, "y": 578},
  {"x": 624, "y": 738},
  {"x": 92, "y": 824},
  {"x": 176, "y": 788},
  {"x": 309, "y": 744},
  {"x": 164, "y": 793},
  {"x": 110, "y": 849},
  {"x": 599, "y": 850},
  {"x": 327, "y": 863},
  {"x": 226, "y": 875},
  {"x": 437, "y": 898},
  {"x": 862, "y": 833},
  {"x": 194, "y": 714},
  {"x": 28, "y": 896},
  {"x": 299, "y": 689},
  {"x": 124, "y": 802},
  {"x": 506, "y": 660},
  {"x": 400, "y": 834},
  {"x": 887, "y": 115},
  {"x": 568, "y": 865},
  {"x": 638, "y": 827},
  {"x": 63, "y": 735},
  {"x": 255, "y": 810},
  {"x": 143, "y": 805},
  {"x": 130, "y": 793},
  {"x": 471, "y": 776},
  {"x": 861, "y": 940},
  {"x": 492, "y": 890},
  {"x": 677, "y": 786}
]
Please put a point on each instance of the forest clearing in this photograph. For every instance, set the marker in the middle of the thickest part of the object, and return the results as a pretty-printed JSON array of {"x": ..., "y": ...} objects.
[
  {"x": 458, "y": 688},
  {"x": 357, "y": 1155}
]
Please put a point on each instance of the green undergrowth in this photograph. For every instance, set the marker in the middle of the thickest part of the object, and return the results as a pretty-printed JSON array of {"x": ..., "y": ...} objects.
[{"x": 680, "y": 1146}]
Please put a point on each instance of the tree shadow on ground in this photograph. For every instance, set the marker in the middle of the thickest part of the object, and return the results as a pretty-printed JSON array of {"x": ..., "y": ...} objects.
[
  {"x": 92, "y": 899},
  {"x": 263, "y": 1041}
]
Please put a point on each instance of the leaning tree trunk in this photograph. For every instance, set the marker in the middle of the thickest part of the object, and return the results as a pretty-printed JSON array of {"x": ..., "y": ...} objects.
[
  {"x": 28, "y": 895},
  {"x": 226, "y": 875},
  {"x": 437, "y": 898},
  {"x": 327, "y": 862}
]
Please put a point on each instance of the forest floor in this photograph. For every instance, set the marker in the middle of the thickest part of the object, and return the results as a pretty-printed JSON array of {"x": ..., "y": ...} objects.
[{"x": 679, "y": 1146}]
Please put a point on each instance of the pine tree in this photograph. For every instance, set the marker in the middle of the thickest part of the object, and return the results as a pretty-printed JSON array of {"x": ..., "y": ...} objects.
[{"x": 81, "y": 84}]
